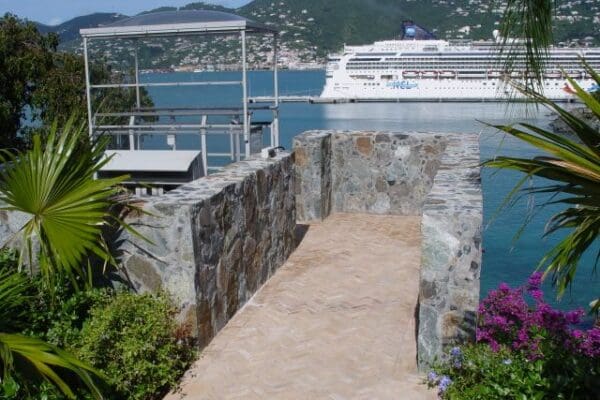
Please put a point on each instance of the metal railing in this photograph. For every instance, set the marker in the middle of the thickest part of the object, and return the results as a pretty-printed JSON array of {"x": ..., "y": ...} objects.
[{"x": 137, "y": 127}]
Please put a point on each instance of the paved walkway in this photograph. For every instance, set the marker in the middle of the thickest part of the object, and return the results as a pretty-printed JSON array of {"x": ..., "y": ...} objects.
[{"x": 335, "y": 322}]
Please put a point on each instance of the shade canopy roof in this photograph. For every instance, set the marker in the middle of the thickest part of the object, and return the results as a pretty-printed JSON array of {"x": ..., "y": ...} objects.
[
  {"x": 149, "y": 160},
  {"x": 169, "y": 23}
]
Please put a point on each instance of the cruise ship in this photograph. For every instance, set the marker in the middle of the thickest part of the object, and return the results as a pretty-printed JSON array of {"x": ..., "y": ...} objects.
[{"x": 418, "y": 67}]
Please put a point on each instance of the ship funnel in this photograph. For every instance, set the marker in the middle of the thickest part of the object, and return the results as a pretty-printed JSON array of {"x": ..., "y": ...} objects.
[{"x": 412, "y": 31}]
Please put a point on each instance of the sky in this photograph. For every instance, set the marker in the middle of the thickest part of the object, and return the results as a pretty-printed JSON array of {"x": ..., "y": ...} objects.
[{"x": 53, "y": 12}]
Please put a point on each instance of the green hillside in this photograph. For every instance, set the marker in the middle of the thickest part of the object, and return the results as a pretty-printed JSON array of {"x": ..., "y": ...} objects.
[{"x": 312, "y": 28}]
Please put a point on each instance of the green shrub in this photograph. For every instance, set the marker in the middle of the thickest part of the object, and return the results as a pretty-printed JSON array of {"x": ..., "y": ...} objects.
[
  {"x": 482, "y": 374},
  {"x": 134, "y": 340}
]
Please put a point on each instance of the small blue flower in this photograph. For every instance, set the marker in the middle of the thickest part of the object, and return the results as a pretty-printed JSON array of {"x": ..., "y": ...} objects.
[
  {"x": 432, "y": 377},
  {"x": 455, "y": 352},
  {"x": 457, "y": 364},
  {"x": 508, "y": 361},
  {"x": 445, "y": 382}
]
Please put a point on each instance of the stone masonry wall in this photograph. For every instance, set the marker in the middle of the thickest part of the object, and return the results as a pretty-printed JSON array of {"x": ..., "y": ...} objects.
[
  {"x": 216, "y": 240},
  {"x": 451, "y": 251},
  {"x": 373, "y": 172},
  {"x": 433, "y": 175}
]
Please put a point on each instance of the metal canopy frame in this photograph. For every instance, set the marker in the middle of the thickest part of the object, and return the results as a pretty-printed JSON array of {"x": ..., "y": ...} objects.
[{"x": 184, "y": 23}]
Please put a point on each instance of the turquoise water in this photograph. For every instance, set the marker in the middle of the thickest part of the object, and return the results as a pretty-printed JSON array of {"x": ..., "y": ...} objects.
[{"x": 505, "y": 260}]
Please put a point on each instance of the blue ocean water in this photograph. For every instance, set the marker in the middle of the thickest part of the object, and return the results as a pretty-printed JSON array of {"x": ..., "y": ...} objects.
[{"x": 505, "y": 259}]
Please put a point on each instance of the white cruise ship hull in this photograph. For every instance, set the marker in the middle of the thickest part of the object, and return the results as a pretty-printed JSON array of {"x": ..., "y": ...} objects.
[
  {"x": 442, "y": 90},
  {"x": 437, "y": 70}
]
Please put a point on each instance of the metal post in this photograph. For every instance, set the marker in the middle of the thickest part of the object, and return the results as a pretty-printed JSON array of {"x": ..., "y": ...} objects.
[
  {"x": 237, "y": 145},
  {"x": 132, "y": 133},
  {"x": 87, "y": 86},
  {"x": 137, "y": 77},
  {"x": 245, "y": 95},
  {"x": 275, "y": 128},
  {"x": 203, "y": 144},
  {"x": 231, "y": 144}
]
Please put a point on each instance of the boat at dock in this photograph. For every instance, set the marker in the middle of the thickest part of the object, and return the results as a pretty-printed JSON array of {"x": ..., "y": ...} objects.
[{"x": 419, "y": 67}]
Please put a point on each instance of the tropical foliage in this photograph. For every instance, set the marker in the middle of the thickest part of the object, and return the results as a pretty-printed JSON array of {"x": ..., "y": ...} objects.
[
  {"x": 22, "y": 352},
  {"x": 136, "y": 342},
  {"x": 525, "y": 350},
  {"x": 133, "y": 340},
  {"x": 67, "y": 209},
  {"x": 526, "y": 34},
  {"x": 571, "y": 169},
  {"x": 40, "y": 85}
]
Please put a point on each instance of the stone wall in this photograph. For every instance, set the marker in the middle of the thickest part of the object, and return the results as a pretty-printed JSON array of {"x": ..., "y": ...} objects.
[
  {"x": 215, "y": 240},
  {"x": 433, "y": 175},
  {"x": 373, "y": 172},
  {"x": 451, "y": 251}
]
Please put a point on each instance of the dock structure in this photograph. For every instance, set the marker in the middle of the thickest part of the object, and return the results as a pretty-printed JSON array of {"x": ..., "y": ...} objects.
[{"x": 128, "y": 127}]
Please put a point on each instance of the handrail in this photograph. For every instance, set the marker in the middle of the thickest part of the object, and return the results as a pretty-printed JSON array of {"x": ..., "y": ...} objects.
[
  {"x": 164, "y": 84},
  {"x": 169, "y": 126}
]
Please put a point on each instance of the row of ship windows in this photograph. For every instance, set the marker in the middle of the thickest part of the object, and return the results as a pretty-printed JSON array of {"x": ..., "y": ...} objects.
[
  {"x": 442, "y": 59},
  {"x": 437, "y": 67},
  {"x": 481, "y": 62},
  {"x": 556, "y": 84},
  {"x": 483, "y": 83}
]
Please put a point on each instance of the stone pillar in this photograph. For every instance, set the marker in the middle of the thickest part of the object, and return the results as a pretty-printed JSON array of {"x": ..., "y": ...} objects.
[
  {"x": 312, "y": 152},
  {"x": 451, "y": 252}
]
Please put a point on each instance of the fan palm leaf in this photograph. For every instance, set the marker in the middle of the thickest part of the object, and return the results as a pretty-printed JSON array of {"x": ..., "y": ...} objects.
[
  {"x": 572, "y": 167},
  {"x": 53, "y": 184}
]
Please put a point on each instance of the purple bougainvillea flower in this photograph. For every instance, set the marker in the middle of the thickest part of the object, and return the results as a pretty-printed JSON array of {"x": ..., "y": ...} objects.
[
  {"x": 506, "y": 318},
  {"x": 535, "y": 280},
  {"x": 537, "y": 294}
]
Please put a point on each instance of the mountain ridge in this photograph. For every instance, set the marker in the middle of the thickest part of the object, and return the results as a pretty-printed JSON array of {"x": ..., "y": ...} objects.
[{"x": 312, "y": 28}]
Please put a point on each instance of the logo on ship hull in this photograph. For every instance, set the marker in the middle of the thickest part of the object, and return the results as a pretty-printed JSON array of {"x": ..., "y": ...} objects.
[{"x": 402, "y": 85}]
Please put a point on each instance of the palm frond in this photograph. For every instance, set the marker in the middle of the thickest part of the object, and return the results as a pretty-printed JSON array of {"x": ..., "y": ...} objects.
[
  {"x": 573, "y": 169},
  {"x": 49, "y": 361},
  {"x": 13, "y": 295},
  {"x": 526, "y": 32},
  {"x": 53, "y": 183}
]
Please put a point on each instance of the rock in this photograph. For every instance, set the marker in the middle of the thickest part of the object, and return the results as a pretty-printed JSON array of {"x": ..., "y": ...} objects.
[{"x": 364, "y": 145}]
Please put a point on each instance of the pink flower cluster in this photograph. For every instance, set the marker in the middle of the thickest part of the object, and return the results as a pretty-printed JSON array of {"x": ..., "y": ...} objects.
[{"x": 506, "y": 318}]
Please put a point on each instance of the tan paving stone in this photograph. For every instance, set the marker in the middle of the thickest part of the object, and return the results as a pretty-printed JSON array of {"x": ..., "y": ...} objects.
[{"x": 335, "y": 322}]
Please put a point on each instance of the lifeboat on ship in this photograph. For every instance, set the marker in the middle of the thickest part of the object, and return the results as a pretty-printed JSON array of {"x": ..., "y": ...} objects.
[
  {"x": 516, "y": 75},
  {"x": 447, "y": 74},
  {"x": 494, "y": 74},
  {"x": 429, "y": 74},
  {"x": 553, "y": 74},
  {"x": 572, "y": 73},
  {"x": 410, "y": 74}
]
